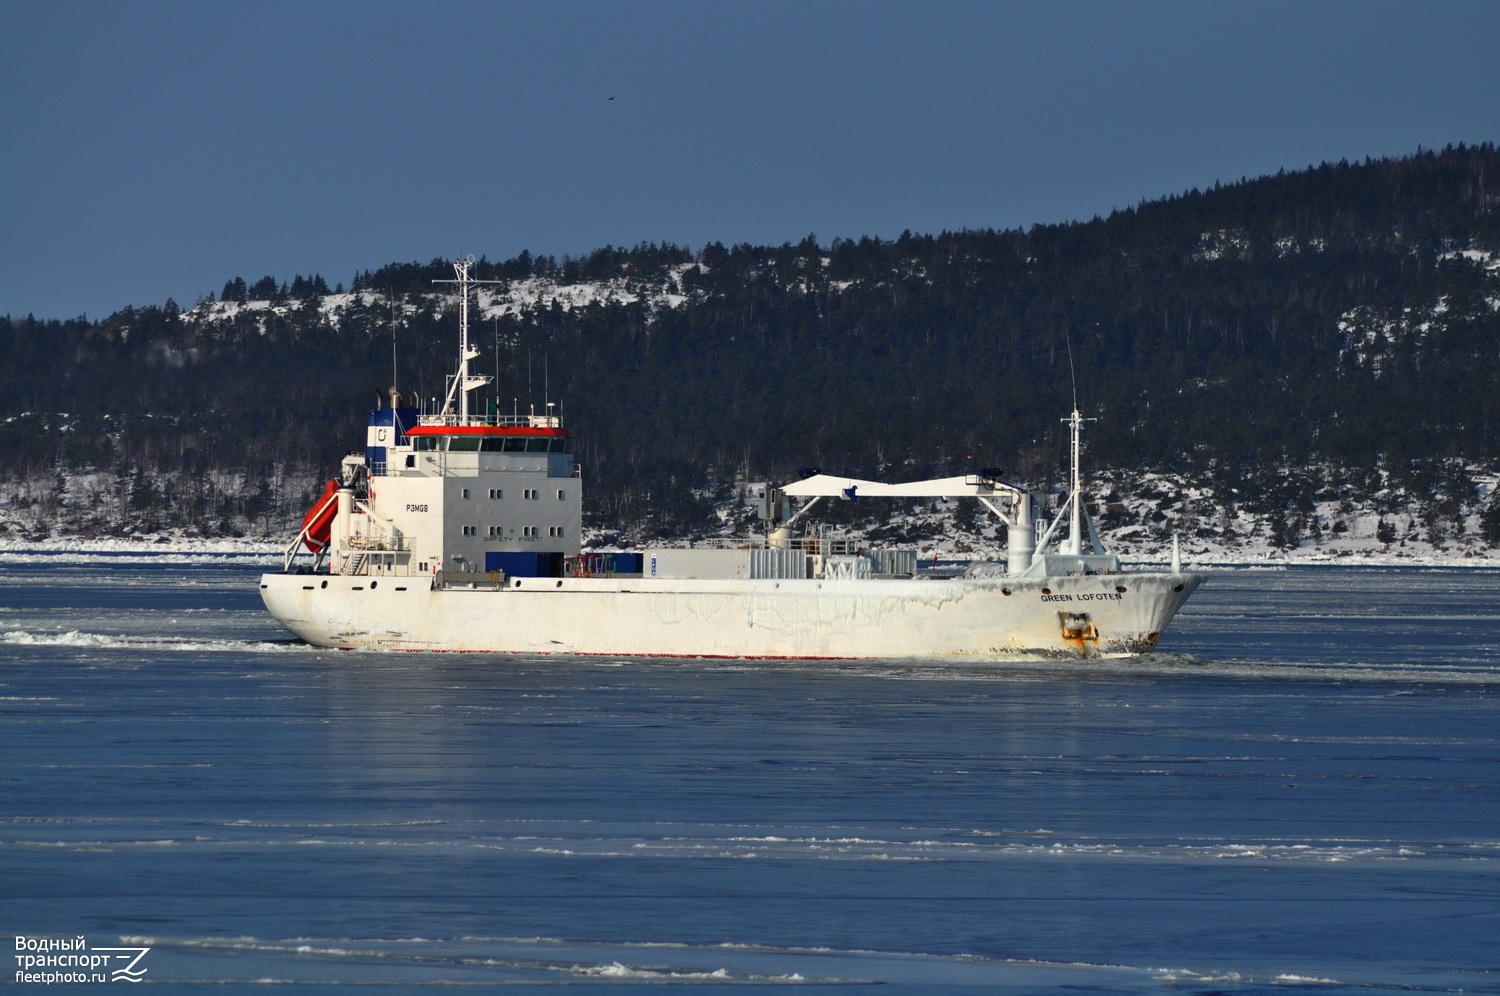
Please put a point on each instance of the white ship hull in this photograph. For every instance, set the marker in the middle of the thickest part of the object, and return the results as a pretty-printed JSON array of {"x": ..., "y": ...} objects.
[{"x": 1082, "y": 616}]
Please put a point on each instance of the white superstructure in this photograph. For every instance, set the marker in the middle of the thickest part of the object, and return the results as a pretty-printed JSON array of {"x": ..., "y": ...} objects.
[{"x": 460, "y": 531}]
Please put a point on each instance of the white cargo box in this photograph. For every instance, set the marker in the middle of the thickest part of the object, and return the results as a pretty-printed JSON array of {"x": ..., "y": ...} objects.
[
  {"x": 894, "y": 563},
  {"x": 670, "y": 563},
  {"x": 779, "y": 564}
]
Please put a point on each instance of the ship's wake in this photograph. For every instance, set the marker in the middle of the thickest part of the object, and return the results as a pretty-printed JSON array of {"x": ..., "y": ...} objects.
[{"x": 118, "y": 641}]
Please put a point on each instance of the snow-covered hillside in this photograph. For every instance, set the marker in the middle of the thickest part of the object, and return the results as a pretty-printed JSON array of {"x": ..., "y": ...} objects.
[
  {"x": 1138, "y": 516},
  {"x": 511, "y": 298},
  {"x": 1319, "y": 346}
]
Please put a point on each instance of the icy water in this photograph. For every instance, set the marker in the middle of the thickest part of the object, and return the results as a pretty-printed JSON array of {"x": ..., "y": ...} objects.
[{"x": 1300, "y": 793}]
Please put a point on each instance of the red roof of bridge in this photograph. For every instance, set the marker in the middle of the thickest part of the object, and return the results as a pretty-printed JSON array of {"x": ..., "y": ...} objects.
[{"x": 484, "y": 430}]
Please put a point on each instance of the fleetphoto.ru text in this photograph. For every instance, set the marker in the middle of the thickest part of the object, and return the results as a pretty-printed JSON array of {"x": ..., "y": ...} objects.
[{"x": 51, "y": 961}]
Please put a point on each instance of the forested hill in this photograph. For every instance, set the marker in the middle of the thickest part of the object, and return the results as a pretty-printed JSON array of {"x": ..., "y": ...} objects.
[{"x": 1333, "y": 327}]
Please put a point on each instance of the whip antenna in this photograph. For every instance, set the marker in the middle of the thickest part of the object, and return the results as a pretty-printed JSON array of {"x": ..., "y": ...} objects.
[{"x": 1072, "y": 376}]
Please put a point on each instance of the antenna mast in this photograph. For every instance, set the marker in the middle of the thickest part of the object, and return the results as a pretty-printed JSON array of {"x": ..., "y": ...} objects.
[
  {"x": 464, "y": 382},
  {"x": 1072, "y": 375},
  {"x": 1074, "y": 543}
]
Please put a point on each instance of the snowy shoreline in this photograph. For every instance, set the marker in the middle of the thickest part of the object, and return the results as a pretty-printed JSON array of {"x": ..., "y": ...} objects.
[{"x": 271, "y": 553}]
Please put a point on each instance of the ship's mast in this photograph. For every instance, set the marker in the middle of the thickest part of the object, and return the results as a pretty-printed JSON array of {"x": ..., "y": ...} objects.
[
  {"x": 1074, "y": 544},
  {"x": 464, "y": 382}
]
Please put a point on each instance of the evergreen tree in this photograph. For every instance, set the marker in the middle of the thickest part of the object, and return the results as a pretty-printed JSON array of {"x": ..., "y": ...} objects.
[{"x": 1339, "y": 316}]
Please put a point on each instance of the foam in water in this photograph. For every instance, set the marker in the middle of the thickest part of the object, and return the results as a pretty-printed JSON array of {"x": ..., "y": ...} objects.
[{"x": 1296, "y": 792}]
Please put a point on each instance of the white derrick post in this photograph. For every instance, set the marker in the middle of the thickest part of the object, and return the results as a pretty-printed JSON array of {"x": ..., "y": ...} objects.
[
  {"x": 1020, "y": 535},
  {"x": 342, "y": 521}
]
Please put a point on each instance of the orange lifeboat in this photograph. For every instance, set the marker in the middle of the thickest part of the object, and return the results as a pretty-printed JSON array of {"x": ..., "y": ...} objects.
[{"x": 317, "y": 524}]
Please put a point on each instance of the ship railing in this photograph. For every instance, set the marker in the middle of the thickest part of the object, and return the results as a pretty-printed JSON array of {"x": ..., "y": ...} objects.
[
  {"x": 828, "y": 546},
  {"x": 508, "y": 421},
  {"x": 376, "y": 543}
]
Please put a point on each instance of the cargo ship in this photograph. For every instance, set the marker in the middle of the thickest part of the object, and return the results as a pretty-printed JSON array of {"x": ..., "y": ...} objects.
[{"x": 462, "y": 531}]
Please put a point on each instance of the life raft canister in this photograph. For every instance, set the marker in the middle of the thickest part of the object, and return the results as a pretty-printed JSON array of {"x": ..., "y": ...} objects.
[{"x": 317, "y": 524}]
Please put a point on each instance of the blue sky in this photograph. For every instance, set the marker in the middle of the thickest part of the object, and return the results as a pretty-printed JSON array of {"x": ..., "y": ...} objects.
[{"x": 156, "y": 149}]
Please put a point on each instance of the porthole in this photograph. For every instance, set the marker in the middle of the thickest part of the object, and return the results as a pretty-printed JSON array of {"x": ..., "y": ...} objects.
[
  {"x": 1046, "y": 591},
  {"x": 1120, "y": 588},
  {"x": 1005, "y": 592},
  {"x": 325, "y": 584},
  {"x": 373, "y": 584}
]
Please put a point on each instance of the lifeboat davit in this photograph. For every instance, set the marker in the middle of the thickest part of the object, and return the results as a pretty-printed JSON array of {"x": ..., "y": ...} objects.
[{"x": 317, "y": 524}]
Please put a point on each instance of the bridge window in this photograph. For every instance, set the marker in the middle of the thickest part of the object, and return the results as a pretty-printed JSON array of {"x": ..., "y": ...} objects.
[
  {"x": 464, "y": 444},
  {"x": 492, "y": 444},
  {"x": 539, "y": 445},
  {"x": 426, "y": 443},
  {"x": 514, "y": 444}
]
